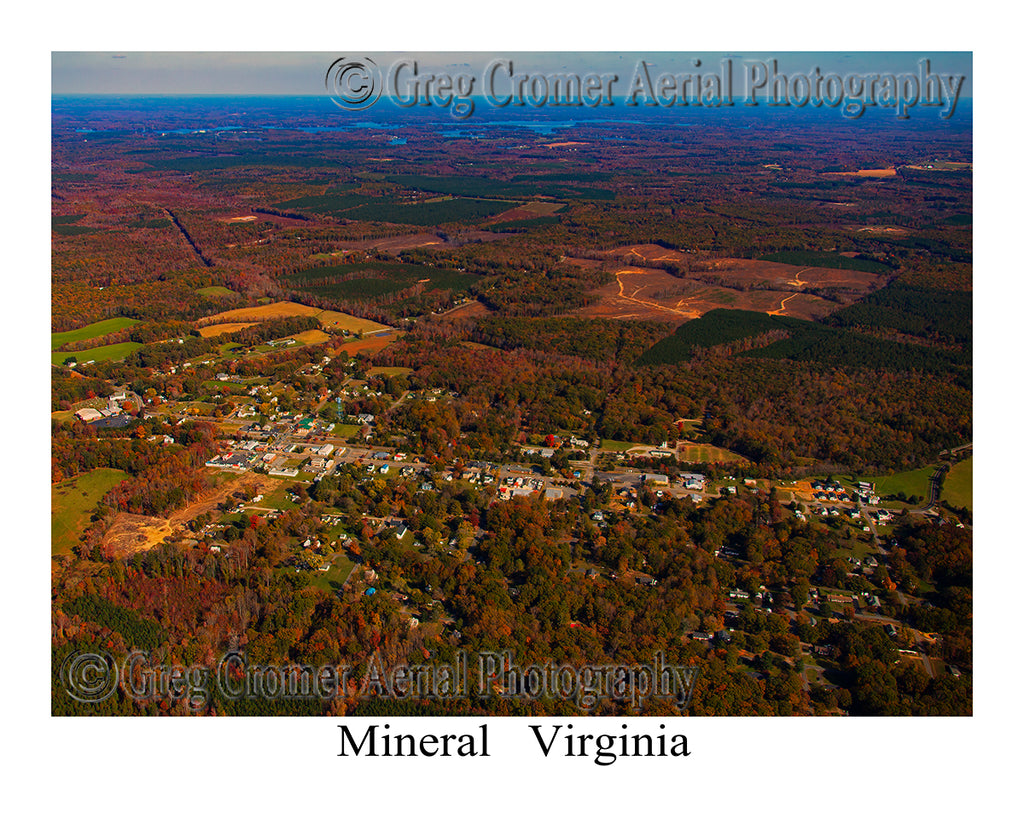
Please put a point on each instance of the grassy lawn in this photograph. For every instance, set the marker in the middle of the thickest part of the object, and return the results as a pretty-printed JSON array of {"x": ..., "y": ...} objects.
[
  {"x": 388, "y": 371},
  {"x": 616, "y": 446},
  {"x": 71, "y": 503},
  {"x": 909, "y": 483},
  {"x": 858, "y": 546},
  {"x": 278, "y": 499},
  {"x": 190, "y": 407},
  {"x": 110, "y": 352},
  {"x": 332, "y": 579},
  {"x": 958, "y": 488},
  {"x": 94, "y": 330}
]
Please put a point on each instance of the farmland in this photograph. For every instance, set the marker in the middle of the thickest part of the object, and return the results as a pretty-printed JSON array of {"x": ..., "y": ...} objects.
[
  {"x": 109, "y": 352},
  {"x": 97, "y": 329},
  {"x": 213, "y": 330},
  {"x": 311, "y": 337},
  {"x": 329, "y": 319}
]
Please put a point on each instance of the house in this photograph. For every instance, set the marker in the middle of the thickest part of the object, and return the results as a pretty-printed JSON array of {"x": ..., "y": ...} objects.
[
  {"x": 401, "y": 532},
  {"x": 692, "y": 480}
]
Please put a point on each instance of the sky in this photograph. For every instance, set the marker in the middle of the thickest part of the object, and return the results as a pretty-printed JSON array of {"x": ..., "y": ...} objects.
[{"x": 299, "y": 73}]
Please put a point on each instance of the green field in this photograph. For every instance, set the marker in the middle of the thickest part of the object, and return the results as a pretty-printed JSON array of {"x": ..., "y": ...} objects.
[
  {"x": 909, "y": 483},
  {"x": 71, "y": 503},
  {"x": 110, "y": 352},
  {"x": 958, "y": 488},
  {"x": 95, "y": 330},
  {"x": 387, "y": 371},
  {"x": 216, "y": 291}
]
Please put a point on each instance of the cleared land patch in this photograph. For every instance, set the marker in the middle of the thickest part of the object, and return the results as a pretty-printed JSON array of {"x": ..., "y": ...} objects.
[
  {"x": 707, "y": 454},
  {"x": 531, "y": 210},
  {"x": 130, "y": 533},
  {"x": 742, "y": 284},
  {"x": 72, "y": 502}
]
